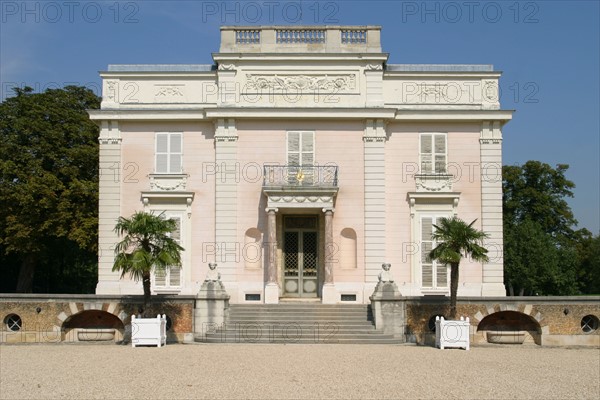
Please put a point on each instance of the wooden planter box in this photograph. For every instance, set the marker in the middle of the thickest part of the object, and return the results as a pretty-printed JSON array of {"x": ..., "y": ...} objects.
[
  {"x": 452, "y": 333},
  {"x": 149, "y": 331}
]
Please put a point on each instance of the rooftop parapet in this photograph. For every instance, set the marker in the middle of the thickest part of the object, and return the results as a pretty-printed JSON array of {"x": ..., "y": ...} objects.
[{"x": 300, "y": 39}]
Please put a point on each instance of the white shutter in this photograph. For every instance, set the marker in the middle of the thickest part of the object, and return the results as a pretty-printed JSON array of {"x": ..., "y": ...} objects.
[
  {"x": 162, "y": 153},
  {"x": 169, "y": 149},
  {"x": 174, "y": 276},
  {"x": 160, "y": 278},
  {"x": 440, "y": 153},
  {"x": 441, "y": 275},
  {"x": 293, "y": 148},
  {"x": 175, "y": 151},
  {"x": 175, "y": 270},
  {"x": 426, "y": 154},
  {"x": 308, "y": 151},
  {"x": 426, "y": 247}
]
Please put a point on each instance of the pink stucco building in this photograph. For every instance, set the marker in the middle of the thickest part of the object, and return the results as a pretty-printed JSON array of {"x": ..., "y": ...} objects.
[{"x": 300, "y": 161}]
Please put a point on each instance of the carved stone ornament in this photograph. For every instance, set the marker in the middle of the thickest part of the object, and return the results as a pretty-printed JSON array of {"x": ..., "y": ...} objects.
[
  {"x": 490, "y": 91},
  {"x": 226, "y": 67},
  {"x": 168, "y": 183},
  {"x": 334, "y": 83},
  {"x": 111, "y": 92},
  {"x": 374, "y": 67},
  {"x": 434, "y": 183},
  {"x": 169, "y": 91}
]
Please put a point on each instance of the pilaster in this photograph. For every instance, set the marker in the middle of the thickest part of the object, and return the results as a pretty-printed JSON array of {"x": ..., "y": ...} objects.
[
  {"x": 226, "y": 181},
  {"x": 374, "y": 85},
  {"x": 374, "y": 178},
  {"x": 491, "y": 207},
  {"x": 109, "y": 207}
]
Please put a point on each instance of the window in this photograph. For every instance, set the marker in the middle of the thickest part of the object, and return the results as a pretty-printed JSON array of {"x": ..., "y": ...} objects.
[
  {"x": 169, "y": 154},
  {"x": 434, "y": 275},
  {"x": 300, "y": 154},
  {"x": 170, "y": 277},
  {"x": 13, "y": 322},
  {"x": 433, "y": 153},
  {"x": 300, "y": 148}
]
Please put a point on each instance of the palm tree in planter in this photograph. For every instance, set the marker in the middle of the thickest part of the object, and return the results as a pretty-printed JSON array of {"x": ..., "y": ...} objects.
[
  {"x": 147, "y": 245},
  {"x": 457, "y": 239}
]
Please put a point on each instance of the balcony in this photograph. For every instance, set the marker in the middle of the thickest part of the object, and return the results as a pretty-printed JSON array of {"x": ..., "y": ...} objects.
[{"x": 300, "y": 186}]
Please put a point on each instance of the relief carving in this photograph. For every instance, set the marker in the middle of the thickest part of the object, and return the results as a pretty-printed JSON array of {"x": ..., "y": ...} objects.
[{"x": 334, "y": 83}]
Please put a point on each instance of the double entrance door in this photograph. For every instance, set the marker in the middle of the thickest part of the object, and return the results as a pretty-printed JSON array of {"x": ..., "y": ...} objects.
[{"x": 301, "y": 258}]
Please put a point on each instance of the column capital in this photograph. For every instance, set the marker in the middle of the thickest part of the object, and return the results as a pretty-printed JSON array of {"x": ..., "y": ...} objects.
[
  {"x": 273, "y": 209},
  {"x": 328, "y": 209}
]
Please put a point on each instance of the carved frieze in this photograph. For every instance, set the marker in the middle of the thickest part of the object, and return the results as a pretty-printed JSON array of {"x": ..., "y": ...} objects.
[{"x": 301, "y": 83}]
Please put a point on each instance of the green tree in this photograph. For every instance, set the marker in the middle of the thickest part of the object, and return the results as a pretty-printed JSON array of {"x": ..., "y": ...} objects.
[
  {"x": 457, "y": 239},
  {"x": 541, "y": 246},
  {"x": 535, "y": 265},
  {"x": 588, "y": 250},
  {"x": 48, "y": 178},
  {"x": 535, "y": 191},
  {"x": 146, "y": 245}
]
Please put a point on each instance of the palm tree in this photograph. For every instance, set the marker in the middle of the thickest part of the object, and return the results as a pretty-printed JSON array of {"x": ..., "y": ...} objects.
[
  {"x": 146, "y": 245},
  {"x": 457, "y": 240}
]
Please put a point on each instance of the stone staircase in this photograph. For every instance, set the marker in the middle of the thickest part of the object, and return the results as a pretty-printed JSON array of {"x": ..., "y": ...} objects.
[{"x": 297, "y": 323}]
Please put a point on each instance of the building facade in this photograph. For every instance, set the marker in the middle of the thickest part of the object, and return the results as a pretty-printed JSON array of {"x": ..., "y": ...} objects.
[{"x": 299, "y": 162}]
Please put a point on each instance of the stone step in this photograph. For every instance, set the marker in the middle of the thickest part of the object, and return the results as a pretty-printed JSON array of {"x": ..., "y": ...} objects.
[{"x": 288, "y": 323}]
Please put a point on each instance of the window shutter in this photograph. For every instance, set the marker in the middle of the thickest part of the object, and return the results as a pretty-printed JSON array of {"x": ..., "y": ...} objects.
[
  {"x": 426, "y": 154},
  {"x": 175, "y": 153},
  {"x": 160, "y": 278},
  {"x": 440, "y": 153},
  {"x": 293, "y": 148},
  {"x": 308, "y": 151},
  {"x": 175, "y": 270},
  {"x": 174, "y": 276},
  {"x": 441, "y": 275},
  {"x": 426, "y": 247},
  {"x": 162, "y": 152}
]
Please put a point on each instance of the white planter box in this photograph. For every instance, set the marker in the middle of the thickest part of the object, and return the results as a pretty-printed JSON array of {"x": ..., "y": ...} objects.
[
  {"x": 452, "y": 333},
  {"x": 149, "y": 331}
]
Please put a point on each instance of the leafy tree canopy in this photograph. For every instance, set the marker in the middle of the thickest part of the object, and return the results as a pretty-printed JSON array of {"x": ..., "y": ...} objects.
[{"x": 48, "y": 174}]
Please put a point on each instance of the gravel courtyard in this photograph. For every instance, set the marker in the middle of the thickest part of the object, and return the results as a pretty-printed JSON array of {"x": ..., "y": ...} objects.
[{"x": 296, "y": 372}]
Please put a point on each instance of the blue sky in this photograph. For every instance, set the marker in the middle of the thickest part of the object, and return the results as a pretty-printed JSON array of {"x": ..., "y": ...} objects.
[{"x": 549, "y": 52}]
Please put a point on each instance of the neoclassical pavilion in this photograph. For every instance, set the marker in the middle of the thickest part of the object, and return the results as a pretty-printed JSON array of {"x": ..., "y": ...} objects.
[{"x": 299, "y": 162}]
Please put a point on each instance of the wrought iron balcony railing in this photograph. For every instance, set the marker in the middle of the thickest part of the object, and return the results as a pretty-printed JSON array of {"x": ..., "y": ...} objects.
[{"x": 300, "y": 175}]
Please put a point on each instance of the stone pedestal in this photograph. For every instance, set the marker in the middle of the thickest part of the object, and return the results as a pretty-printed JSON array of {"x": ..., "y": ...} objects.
[
  {"x": 212, "y": 305},
  {"x": 271, "y": 293},
  {"x": 330, "y": 294},
  {"x": 388, "y": 309}
]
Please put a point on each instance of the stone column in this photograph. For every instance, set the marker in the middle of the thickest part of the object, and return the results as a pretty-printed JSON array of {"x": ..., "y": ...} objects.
[
  {"x": 272, "y": 288},
  {"x": 330, "y": 294}
]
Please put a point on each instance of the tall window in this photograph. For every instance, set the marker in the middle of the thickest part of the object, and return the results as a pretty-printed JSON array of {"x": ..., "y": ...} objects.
[
  {"x": 434, "y": 275},
  {"x": 301, "y": 154},
  {"x": 301, "y": 148},
  {"x": 170, "y": 277},
  {"x": 169, "y": 148},
  {"x": 433, "y": 153}
]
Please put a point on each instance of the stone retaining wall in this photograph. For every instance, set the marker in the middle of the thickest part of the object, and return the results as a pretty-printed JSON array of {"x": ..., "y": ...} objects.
[{"x": 59, "y": 318}]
